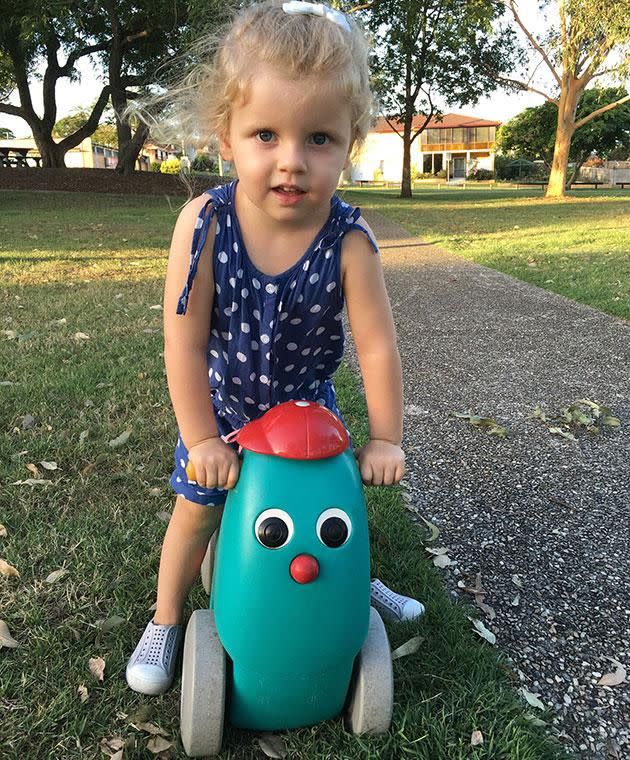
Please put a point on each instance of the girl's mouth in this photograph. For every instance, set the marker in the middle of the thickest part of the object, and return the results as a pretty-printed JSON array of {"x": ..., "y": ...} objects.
[{"x": 288, "y": 195}]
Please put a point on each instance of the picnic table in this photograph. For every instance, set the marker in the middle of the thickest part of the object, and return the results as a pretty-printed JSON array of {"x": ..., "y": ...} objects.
[{"x": 12, "y": 156}]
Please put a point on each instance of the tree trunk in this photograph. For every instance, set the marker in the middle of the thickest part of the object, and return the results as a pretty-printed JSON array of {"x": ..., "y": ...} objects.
[
  {"x": 567, "y": 106},
  {"x": 130, "y": 150},
  {"x": 405, "y": 185},
  {"x": 53, "y": 155}
]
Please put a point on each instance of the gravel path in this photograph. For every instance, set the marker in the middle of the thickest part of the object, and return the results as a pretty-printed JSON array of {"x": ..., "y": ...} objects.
[{"x": 544, "y": 520}]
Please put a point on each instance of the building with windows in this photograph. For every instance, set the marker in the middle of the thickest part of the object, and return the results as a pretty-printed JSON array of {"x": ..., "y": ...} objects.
[{"x": 453, "y": 146}]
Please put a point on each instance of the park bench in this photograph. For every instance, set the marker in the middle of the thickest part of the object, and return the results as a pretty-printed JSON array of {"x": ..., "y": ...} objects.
[
  {"x": 622, "y": 185},
  {"x": 595, "y": 183},
  {"x": 543, "y": 185}
]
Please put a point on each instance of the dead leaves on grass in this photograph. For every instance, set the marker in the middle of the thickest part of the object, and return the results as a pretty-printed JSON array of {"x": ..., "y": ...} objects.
[
  {"x": 97, "y": 668},
  {"x": 6, "y": 640},
  {"x": 8, "y": 570}
]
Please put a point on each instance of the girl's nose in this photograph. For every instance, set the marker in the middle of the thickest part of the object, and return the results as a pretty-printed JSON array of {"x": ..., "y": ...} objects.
[
  {"x": 292, "y": 159},
  {"x": 304, "y": 568}
]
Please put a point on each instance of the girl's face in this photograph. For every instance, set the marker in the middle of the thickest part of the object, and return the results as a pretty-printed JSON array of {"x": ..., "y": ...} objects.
[{"x": 289, "y": 142}]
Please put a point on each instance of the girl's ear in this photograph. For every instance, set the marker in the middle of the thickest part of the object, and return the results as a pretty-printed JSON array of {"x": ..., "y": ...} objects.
[
  {"x": 348, "y": 162},
  {"x": 225, "y": 149}
]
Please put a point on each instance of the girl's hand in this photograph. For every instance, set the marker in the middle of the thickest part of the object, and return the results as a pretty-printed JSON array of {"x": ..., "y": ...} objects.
[
  {"x": 381, "y": 463},
  {"x": 215, "y": 464}
]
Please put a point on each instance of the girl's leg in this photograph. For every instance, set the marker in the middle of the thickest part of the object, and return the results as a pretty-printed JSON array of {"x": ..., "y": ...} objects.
[{"x": 183, "y": 550}]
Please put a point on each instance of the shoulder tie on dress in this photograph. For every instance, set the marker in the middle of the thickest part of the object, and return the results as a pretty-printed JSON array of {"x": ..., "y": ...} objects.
[{"x": 202, "y": 225}]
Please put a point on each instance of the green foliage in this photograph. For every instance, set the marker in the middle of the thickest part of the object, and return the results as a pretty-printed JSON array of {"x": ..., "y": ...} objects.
[
  {"x": 481, "y": 175},
  {"x": 203, "y": 162},
  {"x": 156, "y": 166},
  {"x": 104, "y": 134},
  {"x": 6, "y": 134}
]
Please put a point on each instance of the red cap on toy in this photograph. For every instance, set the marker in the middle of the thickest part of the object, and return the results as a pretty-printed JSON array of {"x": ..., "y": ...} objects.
[{"x": 295, "y": 430}]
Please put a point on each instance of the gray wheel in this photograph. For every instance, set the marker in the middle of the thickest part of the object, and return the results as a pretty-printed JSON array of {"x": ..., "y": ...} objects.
[
  {"x": 203, "y": 687},
  {"x": 371, "y": 700},
  {"x": 207, "y": 566}
]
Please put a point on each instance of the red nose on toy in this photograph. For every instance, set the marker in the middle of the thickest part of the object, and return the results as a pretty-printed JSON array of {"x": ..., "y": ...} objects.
[{"x": 304, "y": 568}]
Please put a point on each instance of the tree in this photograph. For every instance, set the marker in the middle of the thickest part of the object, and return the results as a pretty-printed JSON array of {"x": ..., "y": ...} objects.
[
  {"x": 425, "y": 47},
  {"x": 532, "y": 133},
  {"x": 591, "y": 39},
  {"x": 130, "y": 39}
]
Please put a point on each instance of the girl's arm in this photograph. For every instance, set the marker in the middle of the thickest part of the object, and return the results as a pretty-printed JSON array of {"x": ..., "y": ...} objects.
[
  {"x": 186, "y": 336},
  {"x": 374, "y": 334}
]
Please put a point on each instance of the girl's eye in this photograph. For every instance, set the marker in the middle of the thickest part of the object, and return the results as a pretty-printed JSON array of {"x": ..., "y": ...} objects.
[
  {"x": 265, "y": 135},
  {"x": 319, "y": 138}
]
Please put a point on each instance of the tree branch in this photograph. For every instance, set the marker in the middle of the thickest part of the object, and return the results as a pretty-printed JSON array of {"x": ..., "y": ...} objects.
[
  {"x": 394, "y": 128},
  {"x": 510, "y": 5},
  {"x": 600, "y": 111},
  {"x": 520, "y": 85},
  {"x": 12, "y": 110}
]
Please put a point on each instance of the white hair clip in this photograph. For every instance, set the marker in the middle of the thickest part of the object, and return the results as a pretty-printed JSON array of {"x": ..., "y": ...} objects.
[{"x": 317, "y": 9}]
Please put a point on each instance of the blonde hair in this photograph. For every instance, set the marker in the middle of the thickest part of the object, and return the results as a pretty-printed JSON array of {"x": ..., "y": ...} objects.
[{"x": 198, "y": 106}]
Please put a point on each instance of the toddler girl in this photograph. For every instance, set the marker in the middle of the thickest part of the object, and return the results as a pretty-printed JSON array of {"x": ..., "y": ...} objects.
[{"x": 266, "y": 264}]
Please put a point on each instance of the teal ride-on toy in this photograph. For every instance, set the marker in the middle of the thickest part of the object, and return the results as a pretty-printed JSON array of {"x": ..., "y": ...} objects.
[{"x": 290, "y": 638}]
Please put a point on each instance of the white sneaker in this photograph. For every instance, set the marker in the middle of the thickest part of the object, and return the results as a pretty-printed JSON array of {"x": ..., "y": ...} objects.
[
  {"x": 393, "y": 606},
  {"x": 151, "y": 667}
]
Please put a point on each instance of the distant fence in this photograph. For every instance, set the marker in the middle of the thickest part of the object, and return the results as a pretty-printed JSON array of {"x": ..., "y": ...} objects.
[{"x": 611, "y": 173}]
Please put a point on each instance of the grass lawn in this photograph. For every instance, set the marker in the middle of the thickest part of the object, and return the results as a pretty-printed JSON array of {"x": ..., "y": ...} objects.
[
  {"x": 81, "y": 363},
  {"x": 579, "y": 248}
]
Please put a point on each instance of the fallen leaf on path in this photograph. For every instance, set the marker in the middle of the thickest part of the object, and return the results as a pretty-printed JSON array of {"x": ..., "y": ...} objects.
[
  {"x": 83, "y": 693},
  {"x": 97, "y": 667},
  {"x": 409, "y": 647},
  {"x": 613, "y": 679},
  {"x": 476, "y": 738},
  {"x": 442, "y": 560},
  {"x": 482, "y": 631},
  {"x": 532, "y": 699},
  {"x": 49, "y": 465},
  {"x": 435, "y": 531},
  {"x": 81, "y": 336}
]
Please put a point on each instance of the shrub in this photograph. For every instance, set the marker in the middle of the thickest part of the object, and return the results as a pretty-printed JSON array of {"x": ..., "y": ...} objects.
[
  {"x": 170, "y": 166},
  {"x": 481, "y": 174},
  {"x": 441, "y": 174},
  {"x": 155, "y": 166},
  {"x": 377, "y": 176},
  {"x": 203, "y": 162}
]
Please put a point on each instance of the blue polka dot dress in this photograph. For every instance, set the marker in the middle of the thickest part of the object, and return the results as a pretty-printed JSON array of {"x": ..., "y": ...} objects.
[{"x": 272, "y": 338}]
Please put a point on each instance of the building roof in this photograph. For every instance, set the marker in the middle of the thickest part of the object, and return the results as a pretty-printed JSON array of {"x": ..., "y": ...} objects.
[{"x": 448, "y": 121}]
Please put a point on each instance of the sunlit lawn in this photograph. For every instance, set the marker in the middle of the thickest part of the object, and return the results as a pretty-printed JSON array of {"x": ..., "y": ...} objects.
[
  {"x": 579, "y": 247},
  {"x": 81, "y": 338}
]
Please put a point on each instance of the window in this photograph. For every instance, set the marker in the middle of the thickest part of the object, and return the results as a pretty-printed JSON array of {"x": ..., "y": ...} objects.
[{"x": 458, "y": 135}]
